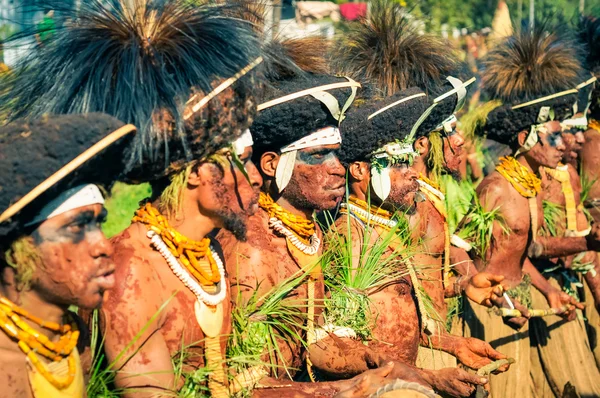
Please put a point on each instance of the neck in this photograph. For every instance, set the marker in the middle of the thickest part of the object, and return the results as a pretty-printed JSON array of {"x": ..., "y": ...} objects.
[
  {"x": 271, "y": 189},
  {"x": 530, "y": 164},
  {"x": 285, "y": 204},
  {"x": 190, "y": 221},
  {"x": 34, "y": 304},
  {"x": 420, "y": 167}
]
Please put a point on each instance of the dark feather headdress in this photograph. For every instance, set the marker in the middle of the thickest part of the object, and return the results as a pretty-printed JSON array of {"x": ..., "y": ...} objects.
[
  {"x": 141, "y": 61},
  {"x": 531, "y": 78},
  {"x": 531, "y": 65},
  {"x": 387, "y": 50},
  {"x": 589, "y": 37}
]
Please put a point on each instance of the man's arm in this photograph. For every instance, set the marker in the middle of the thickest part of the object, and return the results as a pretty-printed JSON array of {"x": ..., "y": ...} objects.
[{"x": 133, "y": 316}]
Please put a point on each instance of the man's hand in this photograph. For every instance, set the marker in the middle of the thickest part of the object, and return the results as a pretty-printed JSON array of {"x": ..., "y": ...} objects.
[
  {"x": 455, "y": 382},
  {"x": 483, "y": 287},
  {"x": 515, "y": 323},
  {"x": 476, "y": 353},
  {"x": 368, "y": 382},
  {"x": 558, "y": 299}
]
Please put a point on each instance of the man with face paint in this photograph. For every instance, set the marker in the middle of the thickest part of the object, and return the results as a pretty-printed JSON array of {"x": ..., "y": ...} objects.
[
  {"x": 588, "y": 31},
  {"x": 523, "y": 113},
  {"x": 54, "y": 254},
  {"x": 296, "y": 138},
  {"x": 561, "y": 187},
  {"x": 426, "y": 64},
  {"x": 195, "y": 150},
  {"x": 378, "y": 153}
]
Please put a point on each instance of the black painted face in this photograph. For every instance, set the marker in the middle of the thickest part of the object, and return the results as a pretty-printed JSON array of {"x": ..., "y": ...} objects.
[
  {"x": 318, "y": 180},
  {"x": 77, "y": 266},
  {"x": 549, "y": 150}
]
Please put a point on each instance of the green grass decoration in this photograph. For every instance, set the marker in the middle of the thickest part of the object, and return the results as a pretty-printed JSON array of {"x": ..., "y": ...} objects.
[
  {"x": 477, "y": 226},
  {"x": 459, "y": 195},
  {"x": 262, "y": 323},
  {"x": 554, "y": 218},
  {"x": 349, "y": 286}
]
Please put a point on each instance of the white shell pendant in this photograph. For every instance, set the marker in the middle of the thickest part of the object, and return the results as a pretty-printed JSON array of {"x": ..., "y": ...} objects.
[{"x": 210, "y": 318}]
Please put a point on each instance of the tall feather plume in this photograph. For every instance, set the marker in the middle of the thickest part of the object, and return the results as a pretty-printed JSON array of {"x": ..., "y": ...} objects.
[
  {"x": 132, "y": 59},
  {"x": 386, "y": 49},
  {"x": 283, "y": 57},
  {"x": 530, "y": 65},
  {"x": 589, "y": 36}
]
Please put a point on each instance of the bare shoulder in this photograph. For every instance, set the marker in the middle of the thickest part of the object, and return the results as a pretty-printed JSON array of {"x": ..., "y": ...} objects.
[
  {"x": 137, "y": 275},
  {"x": 493, "y": 185},
  {"x": 243, "y": 255},
  {"x": 14, "y": 374}
]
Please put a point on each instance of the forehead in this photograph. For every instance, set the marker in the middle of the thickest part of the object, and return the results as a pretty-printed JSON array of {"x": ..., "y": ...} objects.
[
  {"x": 553, "y": 127},
  {"x": 59, "y": 220},
  {"x": 316, "y": 148}
]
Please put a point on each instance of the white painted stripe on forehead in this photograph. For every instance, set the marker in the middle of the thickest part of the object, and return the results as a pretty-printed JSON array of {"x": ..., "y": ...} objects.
[
  {"x": 74, "y": 198},
  {"x": 326, "y": 136}
]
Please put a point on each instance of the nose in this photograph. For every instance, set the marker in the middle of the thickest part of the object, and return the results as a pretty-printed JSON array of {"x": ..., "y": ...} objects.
[
  {"x": 99, "y": 245},
  {"x": 560, "y": 145},
  {"x": 457, "y": 141},
  {"x": 411, "y": 173},
  {"x": 255, "y": 178},
  {"x": 579, "y": 137},
  {"x": 337, "y": 168}
]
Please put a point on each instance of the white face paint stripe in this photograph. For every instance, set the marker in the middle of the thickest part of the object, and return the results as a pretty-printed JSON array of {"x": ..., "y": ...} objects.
[
  {"x": 243, "y": 142},
  {"x": 74, "y": 198},
  {"x": 326, "y": 136}
]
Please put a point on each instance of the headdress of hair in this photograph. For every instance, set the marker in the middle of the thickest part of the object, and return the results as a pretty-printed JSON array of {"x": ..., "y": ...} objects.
[
  {"x": 533, "y": 74},
  {"x": 300, "y": 110},
  {"x": 589, "y": 36},
  {"x": 378, "y": 132},
  {"x": 141, "y": 61},
  {"x": 42, "y": 158}
]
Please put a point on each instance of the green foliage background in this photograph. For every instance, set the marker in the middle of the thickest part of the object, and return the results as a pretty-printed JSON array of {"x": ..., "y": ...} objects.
[{"x": 123, "y": 202}]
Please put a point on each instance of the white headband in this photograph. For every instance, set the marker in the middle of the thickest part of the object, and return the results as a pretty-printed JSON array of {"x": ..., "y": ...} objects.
[
  {"x": 74, "y": 198},
  {"x": 287, "y": 160},
  {"x": 245, "y": 141},
  {"x": 380, "y": 176},
  {"x": 577, "y": 122},
  {"x": 544, "y": 115}
]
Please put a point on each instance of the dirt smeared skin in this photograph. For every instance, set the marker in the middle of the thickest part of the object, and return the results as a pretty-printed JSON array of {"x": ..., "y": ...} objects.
[
  {"x": 428, "y": 230},
  {"x": 394, "y": 308},
  {"x": 146, "y": 283},
  {"x": 590, "y": 167},
  {"x": 264, "y": 261}
]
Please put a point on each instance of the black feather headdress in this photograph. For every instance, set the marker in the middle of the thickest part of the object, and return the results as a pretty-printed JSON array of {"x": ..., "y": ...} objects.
[
  {"x": 386, "y": 49},
  {"x": 529, "y": 73},
  {"x": 141, "y": 61},
  {"x": 589, "y": 37},
  {"x": 377, "y": 122}
]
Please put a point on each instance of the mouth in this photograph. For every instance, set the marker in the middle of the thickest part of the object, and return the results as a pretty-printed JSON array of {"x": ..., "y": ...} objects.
[
  {"x": 106, "y": 278},
  {"x": 338, "y": 191}
]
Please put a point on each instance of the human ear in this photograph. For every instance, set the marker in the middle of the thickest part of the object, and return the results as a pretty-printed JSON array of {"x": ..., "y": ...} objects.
[
  {"x": 268, "y": 163},
  {"x": 422, "y": 146},
  {"x": 522, "y": 137},
  {"x": 358, "y": 170}
]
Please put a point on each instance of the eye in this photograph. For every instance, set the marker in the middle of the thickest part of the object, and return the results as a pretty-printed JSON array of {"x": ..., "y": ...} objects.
[
  {"x": 318, "y": 156},
  {"x": 76, "y": 228}
]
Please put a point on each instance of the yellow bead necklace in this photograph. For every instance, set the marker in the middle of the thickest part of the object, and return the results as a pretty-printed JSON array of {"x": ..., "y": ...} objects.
[
  {"x": 187, "y": 251},
  {"x": 519, "y": 176},
  {"x": 31, "y": 342}
]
